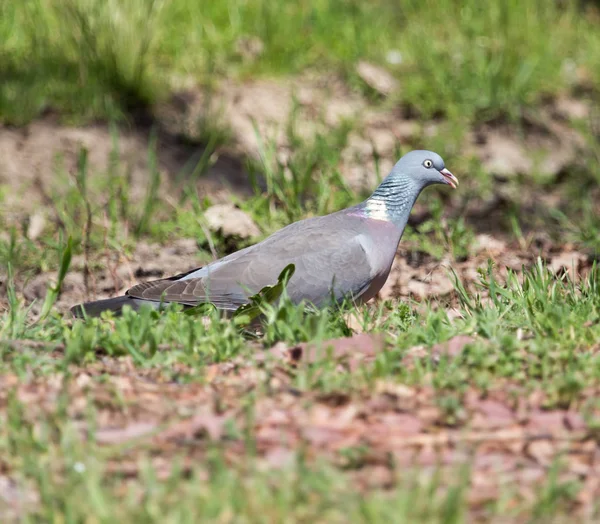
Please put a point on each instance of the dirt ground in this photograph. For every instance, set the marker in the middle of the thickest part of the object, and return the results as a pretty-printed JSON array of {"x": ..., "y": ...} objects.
[
  {"x": 507, "y": 437},
  {"x": 31, "y": 154}
]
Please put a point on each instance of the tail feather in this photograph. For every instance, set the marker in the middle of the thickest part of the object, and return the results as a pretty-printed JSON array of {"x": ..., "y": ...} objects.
[{"x": 116, "y": 304}]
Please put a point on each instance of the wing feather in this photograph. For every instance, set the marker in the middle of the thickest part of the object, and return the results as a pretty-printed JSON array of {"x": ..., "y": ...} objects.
[{"x": 327, "y": 265}]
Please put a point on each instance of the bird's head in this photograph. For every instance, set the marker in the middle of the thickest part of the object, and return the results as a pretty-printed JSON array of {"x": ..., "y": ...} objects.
[
  {"x": 424, "y": 168},
  {"x": 397, "y": 193}
]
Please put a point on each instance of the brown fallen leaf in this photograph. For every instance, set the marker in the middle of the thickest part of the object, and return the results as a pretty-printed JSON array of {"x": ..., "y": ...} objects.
[
  {"x": 568, "y": 262},
  {"x": 375, "y": 477},
  {"x": 492, "y": 414},
  {"x": 330, "y": 438},
  {"x": 494, "y": 461},
  {"x": 352, "y": 351},
  {"x": 280, "y": 457},
  {"x": 572, "y": 108},
  {"x": 394, "y": 424},
  {"x": 15, "y": 499},
  {"x": 588, "y": 495},
  {"x": 547, "y": 422},
  {"x": 489, "y": 244},
  {"x": 574, "y": 421},
  {"x": 452, "y": 347},
  {"x": 503, "y": 155},
  {"x": 129, "y": 432},
  {"x": 200, "y": 424},
  {"x": 485, "y": 490},
  {"x": 212, "y": 372},
  {"x": 542, "y": 451}
]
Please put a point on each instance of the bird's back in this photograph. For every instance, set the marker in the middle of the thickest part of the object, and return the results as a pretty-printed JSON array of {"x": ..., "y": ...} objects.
[{"x": 329, "y": 254}]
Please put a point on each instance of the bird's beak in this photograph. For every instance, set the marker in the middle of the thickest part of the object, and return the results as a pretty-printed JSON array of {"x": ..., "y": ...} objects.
[{"x": 451, "y": 180}]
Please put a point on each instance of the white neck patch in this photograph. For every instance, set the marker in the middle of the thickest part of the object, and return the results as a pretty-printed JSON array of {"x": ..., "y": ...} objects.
[{"x": 377, "y": 209}]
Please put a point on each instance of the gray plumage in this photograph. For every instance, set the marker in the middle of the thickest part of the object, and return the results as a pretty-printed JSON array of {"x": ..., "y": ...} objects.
[{"x": 345, "y": 254}]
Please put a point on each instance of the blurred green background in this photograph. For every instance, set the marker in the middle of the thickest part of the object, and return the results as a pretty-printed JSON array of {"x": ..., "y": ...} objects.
[
  {"x": 467, "y": 69},
  {"x": 457, "y": 59}
]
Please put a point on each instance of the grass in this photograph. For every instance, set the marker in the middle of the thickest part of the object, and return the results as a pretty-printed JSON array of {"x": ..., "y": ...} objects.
[
  {"x": 71, "y": 477},
  {"x": 105, "y": 58},
  {"x": 558, "y": 316},
  {"x": 65, "y": 385},
  {"x": 535, "y": 331},
  {"x": 213, "y": 491}
]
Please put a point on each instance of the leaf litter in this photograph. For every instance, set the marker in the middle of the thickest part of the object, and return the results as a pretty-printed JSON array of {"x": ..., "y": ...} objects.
[{"x": 377, "y": 434}]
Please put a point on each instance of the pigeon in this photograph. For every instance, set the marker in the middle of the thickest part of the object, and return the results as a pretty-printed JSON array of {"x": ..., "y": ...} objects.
[{"x": 344, "y": 255}]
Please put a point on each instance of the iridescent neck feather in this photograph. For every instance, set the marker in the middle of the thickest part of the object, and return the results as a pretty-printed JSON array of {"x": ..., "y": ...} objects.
[{"x": 393, "y": 200}]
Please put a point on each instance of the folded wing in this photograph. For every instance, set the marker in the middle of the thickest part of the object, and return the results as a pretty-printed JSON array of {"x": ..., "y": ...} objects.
[{"x": 326, "y": 268}]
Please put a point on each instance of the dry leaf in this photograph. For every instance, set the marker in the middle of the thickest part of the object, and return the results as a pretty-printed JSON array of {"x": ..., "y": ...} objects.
[
  {"x": 129, "y": 432},
  {"x": 352, "y": 351},
  {"x": 203, "y": 423},
  {"x": 452, "y": 347},
  {"x": 230, "y": 221},
  {"x": 377, "y": 78}
]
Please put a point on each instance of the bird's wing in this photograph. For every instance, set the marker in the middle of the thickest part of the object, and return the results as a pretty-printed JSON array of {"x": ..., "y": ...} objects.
[{"x": 328, "y": 265}]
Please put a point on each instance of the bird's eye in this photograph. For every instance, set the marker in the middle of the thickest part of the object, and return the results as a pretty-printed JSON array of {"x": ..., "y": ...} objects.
[{"x": 428, "y": 163}]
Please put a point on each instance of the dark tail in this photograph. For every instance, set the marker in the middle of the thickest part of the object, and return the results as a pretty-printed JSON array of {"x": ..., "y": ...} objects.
[{"x": 93, "y": 309}]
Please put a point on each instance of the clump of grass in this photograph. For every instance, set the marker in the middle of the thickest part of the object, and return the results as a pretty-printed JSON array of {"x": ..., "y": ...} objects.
[
  {"x": 151, "y": 200},
  {"x": 54, "y": 290},
  {"x": 95, "y": 57},
  {"x": 308, "y": 182},
  {"x": 465, "y": 60},
  {"x": 113, "y": 41},
  {"x": 440, "y": 237},
  {"x": 86, "y": 58}
]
